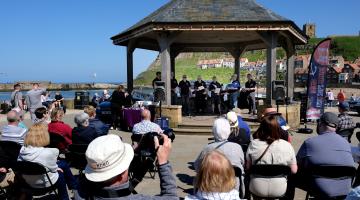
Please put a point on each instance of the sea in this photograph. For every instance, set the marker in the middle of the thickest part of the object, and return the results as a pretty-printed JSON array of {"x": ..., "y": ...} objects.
[
  {"x": 69, "y": 94},
  {"x": 142, "y": 93}
]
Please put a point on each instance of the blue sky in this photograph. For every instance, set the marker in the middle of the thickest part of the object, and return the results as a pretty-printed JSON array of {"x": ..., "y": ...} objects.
[{"x": 69, "y": 41}]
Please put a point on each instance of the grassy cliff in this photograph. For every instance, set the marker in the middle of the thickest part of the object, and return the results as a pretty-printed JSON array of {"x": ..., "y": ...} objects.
[{"x": 347, "y": 46}]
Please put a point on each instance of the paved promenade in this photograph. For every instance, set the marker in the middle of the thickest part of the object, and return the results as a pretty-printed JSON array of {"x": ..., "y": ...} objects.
[{"x": 185, "y": 150}]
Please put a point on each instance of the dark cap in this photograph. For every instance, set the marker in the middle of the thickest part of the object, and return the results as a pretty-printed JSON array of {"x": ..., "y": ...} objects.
[
  {"x": 330, "y": 119},
  {"x": 344, "y": 105}
]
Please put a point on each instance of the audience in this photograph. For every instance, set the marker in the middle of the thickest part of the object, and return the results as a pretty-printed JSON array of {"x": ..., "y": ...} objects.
[
  {"x": 345, "y": 121},
  {"x": 12, "y": 131},
  {"x": 215, "y": 179},
  {"x": 268, "y": 148},
  {"x": 42, "y": 116},
  {"x": 281, "y": 121},
  {"x": 57, "y": 126},
  {"x": 100, "y": 128},
  {"x": 146, "y": 126},
  {"x": 83, "y": 133},
  {"x": 107, "y": 175},
  {"x": 328, "y": 148},
  {"x": 20, "y": 113},
  {"x": 232, "y": 151},
  {"x": 34, "y": 150},
  {"x": 240, "y": 133}
]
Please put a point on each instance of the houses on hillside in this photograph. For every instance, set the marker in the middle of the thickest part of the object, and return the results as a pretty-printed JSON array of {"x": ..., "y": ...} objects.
[{"x": 340, "y": 71}]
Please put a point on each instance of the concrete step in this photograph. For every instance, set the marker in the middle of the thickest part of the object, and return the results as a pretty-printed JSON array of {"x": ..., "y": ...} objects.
[
  {"x": 198, "y": 131},
  {"x": 190, "y": 131},
  {"x": 252, "y": 125}
]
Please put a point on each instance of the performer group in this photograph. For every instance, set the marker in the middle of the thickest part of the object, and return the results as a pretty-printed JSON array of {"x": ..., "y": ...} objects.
[{"x": 223, "y": 97}]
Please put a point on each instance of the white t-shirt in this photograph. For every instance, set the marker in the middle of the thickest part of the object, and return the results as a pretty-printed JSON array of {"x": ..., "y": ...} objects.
[{"x": 330, "y": 95}]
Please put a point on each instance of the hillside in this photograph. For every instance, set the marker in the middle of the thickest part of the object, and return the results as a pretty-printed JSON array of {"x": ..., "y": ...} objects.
[{"x": 347, "y": 46}]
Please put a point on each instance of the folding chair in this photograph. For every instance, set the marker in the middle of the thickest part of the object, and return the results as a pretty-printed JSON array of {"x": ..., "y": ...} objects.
[
  {"x": 270, "y": 171},
  {"x": 76, "y": 156},
  {"x": 346, "y": 133},
  {"x": 32, "y": 168},
  {"x": 329, "y": 172}
]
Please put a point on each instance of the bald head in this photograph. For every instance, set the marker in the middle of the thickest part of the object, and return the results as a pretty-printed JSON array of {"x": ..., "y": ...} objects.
[
  {"x": 145, "y": 114},
  {"x": 12, "y": 117}
]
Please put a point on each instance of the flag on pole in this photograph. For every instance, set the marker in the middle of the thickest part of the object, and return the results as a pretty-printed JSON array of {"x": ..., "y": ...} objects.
[{"x": 316, "y": 85}]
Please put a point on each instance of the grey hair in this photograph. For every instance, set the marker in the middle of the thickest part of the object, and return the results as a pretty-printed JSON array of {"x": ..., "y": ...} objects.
[
  {"x": 12, "y": 116},
  {"x": 81, "y": 119},
  {"x": 221, "y": 129}
]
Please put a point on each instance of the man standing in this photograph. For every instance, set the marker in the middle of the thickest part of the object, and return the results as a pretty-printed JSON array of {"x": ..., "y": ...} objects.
[
  {"x": 12, "y": 132},
  {"x": 200, "y": 95},
  {"x": 341, "y": 96},
  {"x": 174, "y": 85},
  {"x": 345, "y": 121},
  {"x": 17, "y": 97},
  {"x": 157, "y": 78},
  {"x": 215, "y": 88},
  {"x": 233, "y": 89},
  {"x": 330, "y": 97},
  {"x": 250, "y": 86},
  {"x": 184, "y": 86},
  {"x": 326, "y": 149},
  {"x": 33, "y": 99}
]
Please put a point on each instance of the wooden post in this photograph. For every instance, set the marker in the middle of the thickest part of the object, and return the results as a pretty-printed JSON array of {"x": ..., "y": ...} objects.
[
  {"x": 270, "y": 67},
  {"x": 165, "y": 59},
  {"x": 130, "y": 66},
  {"x": 290, "y": 54},
  {"x": 236, "y": 54},
  {"x": 173, "y": 55}
]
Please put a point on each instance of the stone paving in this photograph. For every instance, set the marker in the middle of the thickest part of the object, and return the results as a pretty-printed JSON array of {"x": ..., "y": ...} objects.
[{"x": 185, "y": 150}]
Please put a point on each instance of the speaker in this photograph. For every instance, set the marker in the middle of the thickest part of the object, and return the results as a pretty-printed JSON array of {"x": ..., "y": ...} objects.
[{"x": 278, "y": 91}]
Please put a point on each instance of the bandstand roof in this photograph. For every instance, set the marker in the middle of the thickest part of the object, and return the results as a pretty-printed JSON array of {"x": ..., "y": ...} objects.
[{"x": 210, "y": 25}]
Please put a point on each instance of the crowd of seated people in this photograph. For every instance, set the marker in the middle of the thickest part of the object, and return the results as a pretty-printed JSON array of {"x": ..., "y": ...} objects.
[{"x": 225, "y": 168}]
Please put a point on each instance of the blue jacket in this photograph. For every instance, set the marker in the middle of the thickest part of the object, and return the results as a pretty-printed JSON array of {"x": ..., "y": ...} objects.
[{"x": 100, "y": 128}]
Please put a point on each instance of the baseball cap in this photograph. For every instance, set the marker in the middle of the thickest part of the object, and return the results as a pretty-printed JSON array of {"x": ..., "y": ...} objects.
[
  {"x": 344, "y": 105},
  {"x": 232, "y": 118},
  {"x": 107, "y": 156},
  {"x": 330, "y": 119}
]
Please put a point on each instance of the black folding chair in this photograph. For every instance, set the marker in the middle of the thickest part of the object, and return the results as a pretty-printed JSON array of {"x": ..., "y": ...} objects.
[
  {"x": 239, "y": 175},
  {"x": 32, "y": 168},
  {"x": 346, "y": 133},
  {"x": 329, "y": 172},
  {"x": 270, "y": 171},
  {"x": 76, "y": 156}
]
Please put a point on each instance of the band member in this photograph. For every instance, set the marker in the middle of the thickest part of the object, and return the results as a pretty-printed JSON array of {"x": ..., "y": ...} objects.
[
  {"x": 215, "y": 88},
  {"x": 184, "y": 86},
  {"x": 200, "y": 95},
  {"x": 157, "y": 78},
  {"x": 250, "y": 88},
  {"x": 233, "y": 90},
  {"x": 174, "y": 85}
]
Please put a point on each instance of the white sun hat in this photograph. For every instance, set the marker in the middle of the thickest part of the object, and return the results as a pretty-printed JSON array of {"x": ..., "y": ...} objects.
[
  {"x": 107, "y": 156},
  {"x": 232, "y": 117}
]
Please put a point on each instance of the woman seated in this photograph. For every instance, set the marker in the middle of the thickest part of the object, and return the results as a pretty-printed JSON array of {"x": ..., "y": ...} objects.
[
  {"x": 83, "y": 133},
  {"x": 269, "y": 149},
  {"x": 215, "y": 179},
  {"x": 57, "y": 126},
  {"x": 34, "y": 150},
  {"x": 231, "y": 150}
]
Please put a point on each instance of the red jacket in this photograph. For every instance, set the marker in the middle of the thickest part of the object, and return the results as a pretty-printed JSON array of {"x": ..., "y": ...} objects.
[{"x": 59, "y": 127}]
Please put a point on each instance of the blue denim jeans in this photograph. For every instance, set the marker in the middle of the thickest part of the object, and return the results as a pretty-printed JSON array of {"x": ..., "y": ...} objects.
[
  {"x": 234, "y": 99},
  {"x": 65, "y": 178}
]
